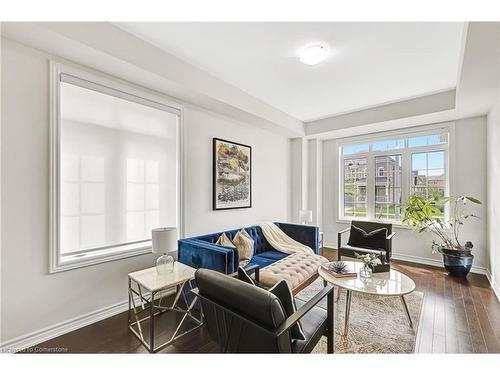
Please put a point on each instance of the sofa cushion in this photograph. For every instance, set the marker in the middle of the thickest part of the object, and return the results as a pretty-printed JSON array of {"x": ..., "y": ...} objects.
[
  {"x": 273, "y": 255},
  {"x": 224, "y": 241},
  {"x": 296, "y": 269},
  {"x": 260, "y": 242},
  {"x": 375, "y": 239},
  {"x": 245, "y": 245}
]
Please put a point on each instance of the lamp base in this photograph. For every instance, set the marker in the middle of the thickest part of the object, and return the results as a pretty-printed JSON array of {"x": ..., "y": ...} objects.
[{"x": 164, "y": 264}]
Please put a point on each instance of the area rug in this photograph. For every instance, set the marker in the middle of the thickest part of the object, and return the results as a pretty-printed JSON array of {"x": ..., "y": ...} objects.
[{"x": 377, "y": 324}]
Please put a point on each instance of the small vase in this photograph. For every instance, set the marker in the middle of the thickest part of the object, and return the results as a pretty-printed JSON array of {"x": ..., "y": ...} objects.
[
  {"x": 365, "y": 271},
  {"x": 164, "y": 264}
]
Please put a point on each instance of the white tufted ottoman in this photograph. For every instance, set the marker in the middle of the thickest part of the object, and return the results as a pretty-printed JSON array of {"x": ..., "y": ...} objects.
[{"x": 298, "y": 269}]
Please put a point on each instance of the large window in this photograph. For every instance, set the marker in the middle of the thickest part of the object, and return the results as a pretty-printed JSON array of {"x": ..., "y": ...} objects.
[
  {"x": 115, "y": 163},
  {"x": 378, "y": 175}
]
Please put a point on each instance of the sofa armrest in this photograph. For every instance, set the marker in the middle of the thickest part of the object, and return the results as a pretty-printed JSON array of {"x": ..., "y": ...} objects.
[
  {"x": 305, "y": 234},
  {"x": 202, "y": 254}
]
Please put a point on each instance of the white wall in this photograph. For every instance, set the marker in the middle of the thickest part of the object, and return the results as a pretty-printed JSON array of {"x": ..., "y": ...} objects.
[
  {"x": 493, "y": 171},
  {"x": 270, "y": 158},
  {"x": 32, "y": 299},
  {"x": 470, "y": 179}
]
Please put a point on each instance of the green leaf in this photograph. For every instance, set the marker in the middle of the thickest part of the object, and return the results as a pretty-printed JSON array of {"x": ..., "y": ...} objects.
[{"x": 473, "y": 200}]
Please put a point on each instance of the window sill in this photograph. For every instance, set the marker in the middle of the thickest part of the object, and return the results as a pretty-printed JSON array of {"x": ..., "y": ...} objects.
[{"x": 73, "y": 261}]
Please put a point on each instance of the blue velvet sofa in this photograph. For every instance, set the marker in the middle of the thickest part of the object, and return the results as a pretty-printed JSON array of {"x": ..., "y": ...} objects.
[{"x": 202, "y": 252}]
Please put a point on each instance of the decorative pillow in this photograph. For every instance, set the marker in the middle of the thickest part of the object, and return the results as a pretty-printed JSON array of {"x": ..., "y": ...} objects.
[
  {"x": 225, "y": 241},
  {"x": 243, "y": 276},
  {"x": 376, "y": 239},
  {"x": 244, "y": 243},
  {"x": 284, "y": 294}
]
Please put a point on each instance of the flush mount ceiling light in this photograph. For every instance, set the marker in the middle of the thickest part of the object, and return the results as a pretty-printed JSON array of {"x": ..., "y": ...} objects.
[{"x": 313, "y": 54}]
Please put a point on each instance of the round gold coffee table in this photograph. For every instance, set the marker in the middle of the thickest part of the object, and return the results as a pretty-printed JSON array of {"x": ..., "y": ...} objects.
[{"x": 392, "y": 283}]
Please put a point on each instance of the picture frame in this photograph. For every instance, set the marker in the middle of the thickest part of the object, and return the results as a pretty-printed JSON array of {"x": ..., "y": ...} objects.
[{"x": 231, "y": 175}]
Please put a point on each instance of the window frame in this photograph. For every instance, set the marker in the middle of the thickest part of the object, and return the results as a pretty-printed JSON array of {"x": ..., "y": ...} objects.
[
  {"x": 406, "y": 155},
  {"x": 104, "y": 84}
]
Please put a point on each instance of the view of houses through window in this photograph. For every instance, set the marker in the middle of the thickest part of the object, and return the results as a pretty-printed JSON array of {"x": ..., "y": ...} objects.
[{"x": 377, "y": 177}]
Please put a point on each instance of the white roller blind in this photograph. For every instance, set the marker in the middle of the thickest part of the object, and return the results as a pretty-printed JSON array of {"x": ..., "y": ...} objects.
[{"x": 118, "y": 167}]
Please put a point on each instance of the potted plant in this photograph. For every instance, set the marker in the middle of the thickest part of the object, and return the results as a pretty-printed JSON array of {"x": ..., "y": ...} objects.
[{"x": 424, "y": 215}]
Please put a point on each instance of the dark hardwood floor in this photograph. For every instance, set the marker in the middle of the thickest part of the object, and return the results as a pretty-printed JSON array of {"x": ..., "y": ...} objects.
[{"x": 458, "y": 316}]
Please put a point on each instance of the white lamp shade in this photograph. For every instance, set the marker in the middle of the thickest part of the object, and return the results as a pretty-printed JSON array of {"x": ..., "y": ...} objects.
[
  {"x": 306, "y": 216},
  {"x": 164, "y": 240}
]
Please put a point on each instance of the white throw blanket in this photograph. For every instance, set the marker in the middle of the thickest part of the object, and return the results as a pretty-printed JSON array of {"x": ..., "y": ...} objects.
[{"x": 281, "y": 242}]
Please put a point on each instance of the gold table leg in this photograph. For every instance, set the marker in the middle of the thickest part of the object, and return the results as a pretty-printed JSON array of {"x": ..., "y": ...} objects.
[
  {"x": 347, "y": 311},
  {"x": 407, "y": 311}
]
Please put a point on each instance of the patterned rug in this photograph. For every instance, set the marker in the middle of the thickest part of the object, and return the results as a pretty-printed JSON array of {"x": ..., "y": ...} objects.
[{"x": 377, "y": 324}]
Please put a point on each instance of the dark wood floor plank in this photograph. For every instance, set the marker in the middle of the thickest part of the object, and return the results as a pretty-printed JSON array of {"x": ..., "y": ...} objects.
[
  {"x": 457, "y": 317},
  {"x": 487, "y": 330},
  {"x": 492, "y": 306},
  {"x": 439, "y": 333},
  {"x": 418, "y": 281},
  {"x": 427, "y": 318},
  {"x": 451, "y": 336},
  {"x": 462, "y": 325},
  {"x": 476, "y": 333}
]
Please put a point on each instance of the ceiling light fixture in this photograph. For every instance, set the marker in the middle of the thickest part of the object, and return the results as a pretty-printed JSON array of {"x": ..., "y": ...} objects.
[{"x": 313, "y": 54}]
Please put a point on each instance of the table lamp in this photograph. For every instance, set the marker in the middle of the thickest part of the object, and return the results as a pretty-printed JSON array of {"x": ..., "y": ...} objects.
[
  {"x": 305, "y": 216},
  {"x": 164, "y": 242}
]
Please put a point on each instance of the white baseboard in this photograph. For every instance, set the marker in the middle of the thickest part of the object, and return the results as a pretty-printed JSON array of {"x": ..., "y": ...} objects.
[
  {"x": 34, "y": 338},
  {"x": 493, "y": 284},
  {"x": 433, "y": 262},
  {"x": 44, "y": 334}
]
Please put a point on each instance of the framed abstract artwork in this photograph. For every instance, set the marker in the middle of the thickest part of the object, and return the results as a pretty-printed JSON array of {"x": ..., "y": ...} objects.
[{"x": 232, "y": 175}]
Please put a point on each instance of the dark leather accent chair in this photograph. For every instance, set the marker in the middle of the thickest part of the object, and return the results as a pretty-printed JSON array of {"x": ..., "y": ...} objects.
[
  {"x": 367, "y": 226},
  {"x": 242, "y": 318}
]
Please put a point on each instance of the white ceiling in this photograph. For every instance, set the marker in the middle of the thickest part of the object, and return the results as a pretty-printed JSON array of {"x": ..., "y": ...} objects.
[{"x": 370, "y": 63}]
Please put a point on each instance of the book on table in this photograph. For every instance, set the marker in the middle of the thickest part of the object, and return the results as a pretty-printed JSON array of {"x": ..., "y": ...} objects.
[{"x": 339, "y": 269}]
